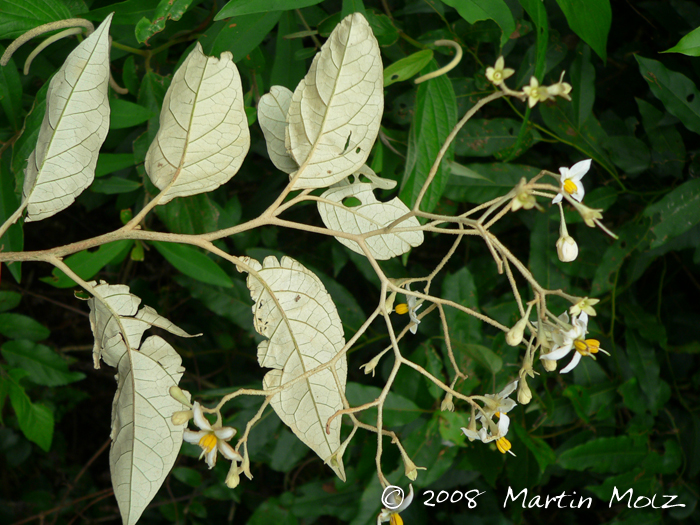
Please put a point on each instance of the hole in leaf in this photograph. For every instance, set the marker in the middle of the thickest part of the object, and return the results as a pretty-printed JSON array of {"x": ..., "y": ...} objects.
[
  {"x": 623, "y": 245},
  {"x": 690, "y": 97},
  {"x": 351, "y": 202},
  {"x": 363, "y": 178},
  {"x": 394, "y": 76},
  {"x": 511, "y": 131},
  {"x": 358, "y": 149},
  {"x": 347, "y": 143}
]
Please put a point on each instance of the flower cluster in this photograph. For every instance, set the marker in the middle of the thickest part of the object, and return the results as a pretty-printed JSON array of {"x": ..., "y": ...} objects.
[
  {"x": 494, "y": 406},
  {"x": 573, "y": 338},
  {"x": 534, "y": 92}
]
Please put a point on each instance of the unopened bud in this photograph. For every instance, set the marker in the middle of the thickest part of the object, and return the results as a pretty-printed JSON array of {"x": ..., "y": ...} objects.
[
  {"x": 524, "y": 394},
  {"x": 515, "y": 335},
  {"x": 233, "y": 478},
  {"x": 182, "y": 417},
  {"x": 550, "y": 365},
  {"x": 567, "y": 249},
  {"x": 179, "y": 395}
]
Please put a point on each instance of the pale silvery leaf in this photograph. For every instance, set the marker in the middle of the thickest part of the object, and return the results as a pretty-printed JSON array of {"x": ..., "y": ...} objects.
[
  {"x": 203, "y": 135},
  {"x": 74, "y": 127},
  {"x": 336, "y": 109},
  {"x": 295, "y": 312},
  {"x": 109, "y": 339},
  {"x": 272, "y": 116},
  {"x": 368, "y": 216},
  {"x": 145, "y": 443}
]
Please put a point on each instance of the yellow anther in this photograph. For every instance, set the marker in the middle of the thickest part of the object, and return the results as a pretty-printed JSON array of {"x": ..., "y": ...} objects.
[
  {"x": 503, "y": 445},
  {"x": 208, "y": 442},
  {"x": 395, "y": 520},
  {"x": 587, "y": 347},
  {"x": 570, "y": 186},
  {"x": 401, "y": 308},
  {"x": 497, "y": 414}
]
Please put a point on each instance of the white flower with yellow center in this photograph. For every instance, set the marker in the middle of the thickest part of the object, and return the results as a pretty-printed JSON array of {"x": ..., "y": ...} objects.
[
  {"x": 394, "y": 504},
  {"x": 584, "y": 305},
  {"x": 571, "y": 181},
  {"x": 573, "y": 339},
  {"x": 211, "y": 438},
  {"x": 491, "y": 432},
  {"x": 535, "y": 92},
  {"x": 411, "y": 308},
  {"x": 498, "y": 73},
  {"x": 497, "y": 404}
]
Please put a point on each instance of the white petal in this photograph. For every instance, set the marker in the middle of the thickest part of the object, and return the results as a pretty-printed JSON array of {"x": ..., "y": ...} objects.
[
  {"x": 227, "y": 451},
  {"x": 406, "y": 501},
  {"x": 579, "y": 193},
  {"x": 193, "y": 437},
  {"x": 470, "y": 434},
  {"x": 507, "y": 406},
  {"x": 572, "y": 365},
  {"x": 579, "y": 169},
  {"x": 503, "y": 424},
  {"x": 557, "y": 198},
  {"x": 225, "y": 433},
  {"x": 199, "y": 418},
  {"x": 557, "y": 354},
  {"x": 564, "y": 173},
  {"x": 211, "y": 458},
  {"x": 509, "y": 389}
]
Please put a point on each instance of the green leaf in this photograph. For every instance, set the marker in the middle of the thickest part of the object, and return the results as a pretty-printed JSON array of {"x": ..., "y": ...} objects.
[
  {"x": 44, "y": 366},
  {"x": 667, "y": 147},
  {"x": 589, "y": 138},
  {"x": 383, "y": 28},
  {"x": 631, "y": 236},
  {"x": 641, "y": 483},
  {"x": 688, "y": 45},
  {"x": 249, "y": 7},
  {"x": 193, "y": 263},
  {"x": 86, "y": 264},
  {"x": 13, "y": 239},
  {"x": 19, "y": 16},
  {"x": 128, "y": 12},
  {"x": 407, "y": 67},
  {"x": 435, "y": 115},
  {"x": 460, "y": 288},
  {"x": 590, "y": 20},
  {"x": 114, "y": 185},
  {"x": 352, "y": 6},
  {"x": 483, "y": 355},
  {"x": 9, "y": 300},
  {"x": 543, "y": 241},
  {"x": 11, "y": 93},
  {"x": 613, "y": 454},
  {"x": 483, "y": 138},
  {"x": 18, "y": 326},
  {"x": 583, "y": 83},
  {"x": 285, "y": 70},
  {"x": 125, "y": 114},
  {"x": 497, "y": 10},
  {"x": 189, "y": 215},
  {"x": 166, "y": 10},
  {"x": 487, "y": 181},
  {"x": 642, "y": 358},
  {"x": 230, "y": 303},
  {"x": 110, "y": 162},
  {"x": 35, "y": 421},
  {"x": 544, "y": 455},
  {"x": 240, "y": 36},
  {"x": 397, "y": 409},
  {"x": 676, "y": 213},
  {"x": 188, "y": 476},
  {"x": 677, "y": 92},
  {"x": 26, "y": 142}
]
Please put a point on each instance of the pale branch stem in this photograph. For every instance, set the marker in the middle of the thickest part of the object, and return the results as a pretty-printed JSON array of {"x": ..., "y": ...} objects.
[
  {"x": 514, "y": 287},
  {"x": 40, "y": 30},
  {"x": 240, "y": 392},
  {"x": 498, "y": 216},
  {"x": 135, "y": 221},
  {"x": 12, "y": 219},
  {"x": 253, "y": 420},
  {"x": 442, "y": 263},
  {"x": 46, "y": 43},
  {"x": 448, "y": 342},
  {"x": 433, "y": 170},
  {"x": 440, "y": 384},
  {"x": 350, "y": 410},
  {"x": 496, "y": 258},
  {"x": 449, "y": 67}
]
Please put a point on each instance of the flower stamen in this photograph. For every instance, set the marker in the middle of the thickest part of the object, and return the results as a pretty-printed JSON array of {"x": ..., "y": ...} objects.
[
  {"x": 503, "y": 445},
  {"x": 587, "y": 347},
  {"x": 570, "y": 187},
  {"x": 208, "y": 442},
  {"x": 401, "y": 308},
  {"x": 395, "y": 520}
]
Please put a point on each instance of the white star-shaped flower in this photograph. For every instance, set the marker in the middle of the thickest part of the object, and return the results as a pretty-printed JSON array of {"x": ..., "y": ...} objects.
[
  {"x": 211, "y": 438},
  {"x": 571, "y": 181}
]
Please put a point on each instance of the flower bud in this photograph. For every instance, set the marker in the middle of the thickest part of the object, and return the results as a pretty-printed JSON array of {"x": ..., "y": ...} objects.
[
  {"x": 567, "y": 249},
  {"x": 233, "y": 477},
  {"x": 369, "y": 367},
  {"x": 524, "y": 394},
  {"x": 515, "y": 335},
  {"x": 182, "y": 417},
  {"x": 180, "y": 395},
  {"x": 550, "y": 365},
  {"x": 410, "y": 470},
  {"x": 447, "y": 404}
]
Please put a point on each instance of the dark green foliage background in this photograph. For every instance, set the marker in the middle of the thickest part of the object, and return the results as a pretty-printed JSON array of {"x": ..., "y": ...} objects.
[{"x": 627, "y": 421}]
